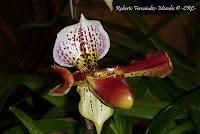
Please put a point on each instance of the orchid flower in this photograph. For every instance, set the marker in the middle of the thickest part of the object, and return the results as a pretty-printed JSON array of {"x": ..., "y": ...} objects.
[{"x": 81, "y": 45}]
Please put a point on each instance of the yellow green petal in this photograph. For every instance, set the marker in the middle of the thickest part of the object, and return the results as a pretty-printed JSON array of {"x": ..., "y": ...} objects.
[{"x": 92, "y": 108}]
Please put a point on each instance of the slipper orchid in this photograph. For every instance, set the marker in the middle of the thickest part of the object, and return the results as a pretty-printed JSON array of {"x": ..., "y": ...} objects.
[{"x": 81, "y": 45}]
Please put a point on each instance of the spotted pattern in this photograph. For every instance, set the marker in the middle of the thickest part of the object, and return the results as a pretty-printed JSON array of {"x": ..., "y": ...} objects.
[
  {"x": 160, "y": 71},
  {"x": 81, "y": 45},
  {"x": 92, "y": 108}
]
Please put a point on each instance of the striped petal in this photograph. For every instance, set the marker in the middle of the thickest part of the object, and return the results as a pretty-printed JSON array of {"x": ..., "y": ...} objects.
[
  {"x": 154, "y": 65},
  {"x": 81, "y": 45},
  {"x": 92, "y": 108},
  {"x": 112, "y": 90},
  {"x": 64, "y": 88}
]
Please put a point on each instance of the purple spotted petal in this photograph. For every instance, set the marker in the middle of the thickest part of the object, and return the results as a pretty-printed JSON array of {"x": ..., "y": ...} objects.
[{"x": 81, "y": 44}]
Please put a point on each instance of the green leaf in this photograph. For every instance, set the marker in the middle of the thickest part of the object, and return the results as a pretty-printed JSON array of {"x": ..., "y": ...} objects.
[
  {"x": 152, "y": 104},
  {"x": 171, "y": 124},
  {"x": 55, "y": 125},
  {"x": 139, "y": 112},
  {"x": 164, "y": 23},
  {"x": 128, "y": 43},
  {"x": 148, "y": 96},
  {"x": 14, "y": 130},
  {"x": 148, "y": 109},
  {"x": 55, "y": 100},
  {"x": 189, "y": 75},
  {"x": 138, "y": 85},
  {"x": 183, "y": 128},
  {"x": 121, "y": 124},
  {"x": 5, "y": 90},
  {"x": 107, "y": 130},
  {"x": 126, "y": 29},
  {"x": 143, "y": 109},
  {"x": 26, "y": 120},
  {"x": 33, "y": 82},
  {"x": 158, "y": 124},
  {"x": 50, "y": 126},
  {"x": 189, "y": 99},
  {"x": 181, "y": 82},
  {"x": 55, "y": 112},
  {"x": 195, "y": 116},
  {"x": 161, "y": 90}
]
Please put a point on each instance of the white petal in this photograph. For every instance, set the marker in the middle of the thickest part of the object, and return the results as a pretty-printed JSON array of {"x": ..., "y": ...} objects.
[
  {"x": 80, "y": 43},
  {"x": 92, "y": 108},
  {"x": 109, "y": 3}
]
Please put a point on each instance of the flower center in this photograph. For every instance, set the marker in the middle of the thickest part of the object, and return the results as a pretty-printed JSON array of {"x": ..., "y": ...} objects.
[{"x": 87, "y": 61}]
